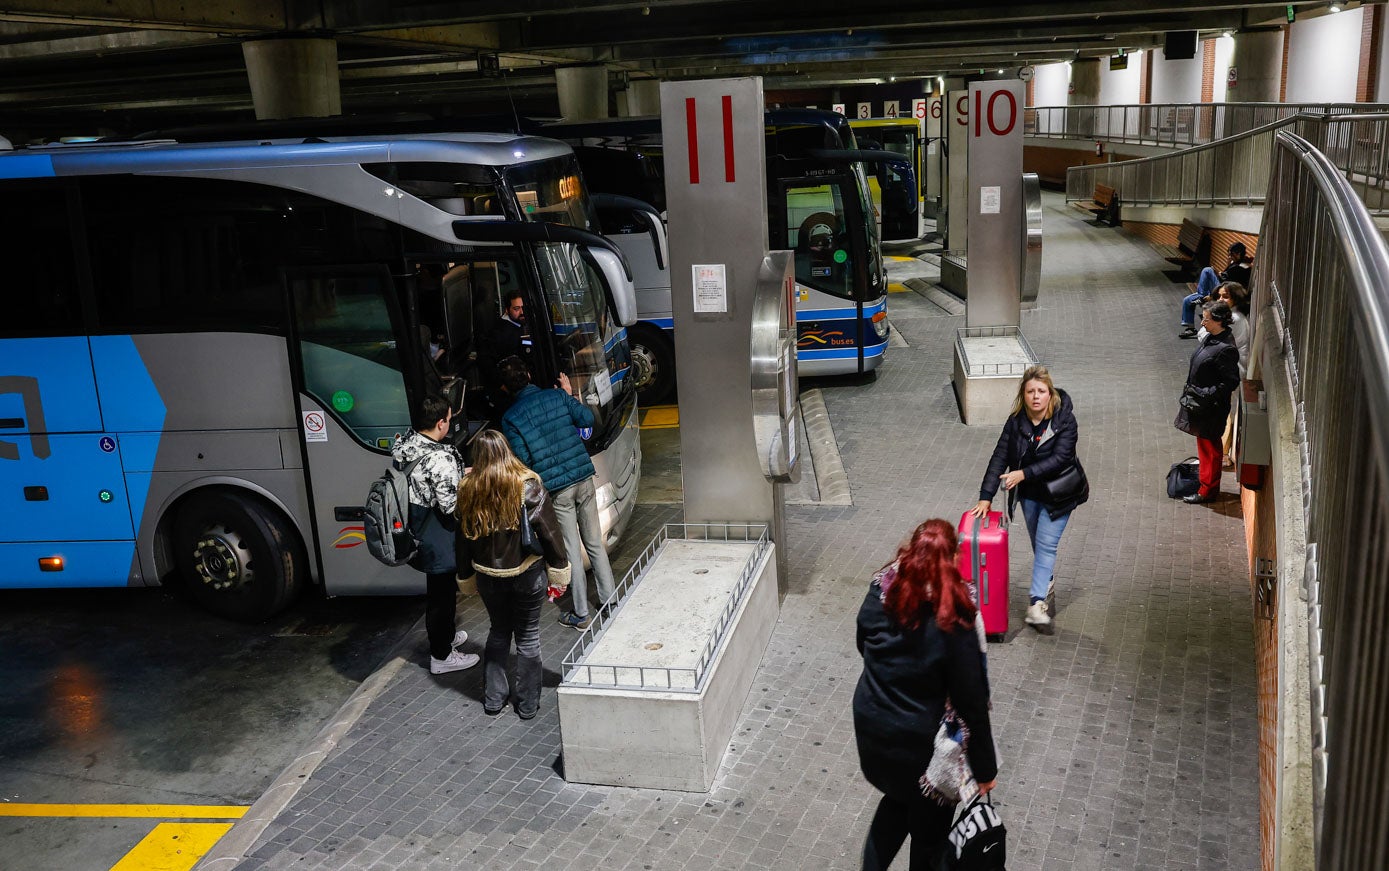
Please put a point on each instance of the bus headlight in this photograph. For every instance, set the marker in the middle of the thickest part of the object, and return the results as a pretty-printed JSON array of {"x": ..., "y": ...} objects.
[{"x": 880, "y": 324}]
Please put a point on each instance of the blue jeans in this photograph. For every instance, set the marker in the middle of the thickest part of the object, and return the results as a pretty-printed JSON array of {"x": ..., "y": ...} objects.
[
  {"x": 1045, "y": 534},
  {"x": 576, "y": 508},
  {"x": 1205, "y": 284}
]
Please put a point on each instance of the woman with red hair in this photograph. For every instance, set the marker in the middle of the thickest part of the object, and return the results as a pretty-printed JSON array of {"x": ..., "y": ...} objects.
[{"x": 920, "y": 649}]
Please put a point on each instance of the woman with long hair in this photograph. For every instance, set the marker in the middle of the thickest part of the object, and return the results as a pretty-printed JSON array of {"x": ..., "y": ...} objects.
[
  {"x": 1038, "y": 449},
  {"x": 510, "y": 579},
  {"x": 921, "y": 650}
]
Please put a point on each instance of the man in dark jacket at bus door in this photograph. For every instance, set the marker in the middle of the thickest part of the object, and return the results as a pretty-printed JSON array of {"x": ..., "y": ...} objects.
[{"x": 540, "y": 425}]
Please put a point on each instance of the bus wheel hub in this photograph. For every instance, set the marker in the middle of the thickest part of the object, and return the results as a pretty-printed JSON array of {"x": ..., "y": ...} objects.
[
  {"x": 216, "y": 560},
  {"x": 644, "y": 366}
]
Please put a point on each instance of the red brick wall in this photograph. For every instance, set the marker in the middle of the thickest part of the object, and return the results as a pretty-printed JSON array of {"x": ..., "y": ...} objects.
[
  {"x": 1207, "y": 70},
  {"x": 1368, "y": 80},
  {"x": 1221, "y": 240},
  {"x": 1050, "y": 163},
  {"x": 1145, "y": 75},
  {"x": 1261, "y": 540},
  {"x": 1283, "y": 76}
]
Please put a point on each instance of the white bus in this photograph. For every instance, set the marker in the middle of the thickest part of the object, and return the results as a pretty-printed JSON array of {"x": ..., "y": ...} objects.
[{"x": 208, "y": 349}]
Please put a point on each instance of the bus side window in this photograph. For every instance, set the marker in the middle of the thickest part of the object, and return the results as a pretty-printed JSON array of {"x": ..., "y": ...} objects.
[{"x": 38, "y": 256}]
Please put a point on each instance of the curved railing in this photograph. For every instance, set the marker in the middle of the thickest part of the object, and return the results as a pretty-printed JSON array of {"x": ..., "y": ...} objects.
[
  {"x": 1235, "y": 171},
  {"x": 1173, "y": 125},
  {"x": 1322, "y": 283}
]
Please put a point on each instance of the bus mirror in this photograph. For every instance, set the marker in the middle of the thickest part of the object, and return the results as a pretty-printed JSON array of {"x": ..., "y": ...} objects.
[
  {"x": 657, "y": 229},
  {"x": 622, "y": 296}
]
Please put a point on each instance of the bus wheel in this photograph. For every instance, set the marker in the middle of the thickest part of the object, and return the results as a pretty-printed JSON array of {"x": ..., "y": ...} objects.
[
  {"x": 653, "y": 364},
  {"x": 238, "y": 557}
]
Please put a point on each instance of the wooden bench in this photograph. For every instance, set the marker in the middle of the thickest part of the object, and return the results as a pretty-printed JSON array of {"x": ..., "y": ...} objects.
[
  {"x": 1193, "y": 248},
  {"x": 1103, "y": 204}
]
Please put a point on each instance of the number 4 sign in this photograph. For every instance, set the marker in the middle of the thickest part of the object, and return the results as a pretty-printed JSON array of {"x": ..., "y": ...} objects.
[{"x": 890, "y": 109}]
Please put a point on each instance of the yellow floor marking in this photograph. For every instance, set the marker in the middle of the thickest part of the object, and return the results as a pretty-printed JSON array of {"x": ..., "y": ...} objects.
[
  {"x": 898, "y": 258},
  {"x": 895, "y": 287},
  {"x": 661, "y": 417},
  {"x": 163, "y": 811},
  {"x": 172, "y": 847}
]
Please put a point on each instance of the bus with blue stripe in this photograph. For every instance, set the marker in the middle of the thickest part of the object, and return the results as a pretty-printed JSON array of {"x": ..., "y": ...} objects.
[
  {"x": 818, "y": 205},
  {"x": 209, "y": 349}
]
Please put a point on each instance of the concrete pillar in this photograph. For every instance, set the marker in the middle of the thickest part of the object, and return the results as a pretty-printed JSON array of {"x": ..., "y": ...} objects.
[
  {"x": 293, "y": 78},
  {"x": 583, "y": 92},
  {"x": 1084, "y": 90},
  {"x": 644, "y": 97},
  {"x": 1258, "y": 61}
]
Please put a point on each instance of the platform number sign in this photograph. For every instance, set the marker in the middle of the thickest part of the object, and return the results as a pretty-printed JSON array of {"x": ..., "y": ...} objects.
[
  {"x": 890, "y": 109},
  {"x": 998, "y": 111},
  {"x": 865, "y": 110},
  {"x": 934, "y": 108},
  {"x": 837, "y": 107}
]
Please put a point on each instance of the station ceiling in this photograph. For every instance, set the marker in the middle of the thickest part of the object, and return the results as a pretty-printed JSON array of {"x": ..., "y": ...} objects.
[{"x": 74, "y": 66}]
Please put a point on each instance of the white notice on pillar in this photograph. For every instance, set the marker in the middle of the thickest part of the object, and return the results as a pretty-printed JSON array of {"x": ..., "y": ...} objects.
[
  {"x": 990, "y": 200},
  {"x": 710, "y": 287}
]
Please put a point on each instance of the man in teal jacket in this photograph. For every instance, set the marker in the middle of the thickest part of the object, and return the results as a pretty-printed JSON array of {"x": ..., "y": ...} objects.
[{"x": 541, "y": 427}]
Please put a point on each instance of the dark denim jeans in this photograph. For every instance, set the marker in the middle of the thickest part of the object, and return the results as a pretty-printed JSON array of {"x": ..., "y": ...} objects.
[
  {"x": 927, "y": 822},
  {"x": 513, "y": 604}
]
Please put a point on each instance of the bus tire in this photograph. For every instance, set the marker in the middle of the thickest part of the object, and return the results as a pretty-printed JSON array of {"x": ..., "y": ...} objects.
[
  {"x": 237, "y": 556},
  {"x": 653, "y": 363}
]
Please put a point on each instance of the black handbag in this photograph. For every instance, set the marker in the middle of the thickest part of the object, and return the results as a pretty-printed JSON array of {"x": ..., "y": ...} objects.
[
  {"x": 1070, "y": 485},
  {"x": 1196, "y": 403},
  {"x": 529, "y": 543},
  {"x": 1183, "y": 478},
  {"x": 978, "y": 841}
]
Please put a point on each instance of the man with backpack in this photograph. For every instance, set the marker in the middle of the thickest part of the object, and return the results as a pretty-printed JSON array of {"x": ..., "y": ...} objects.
[{"x": 435, "y": 468}]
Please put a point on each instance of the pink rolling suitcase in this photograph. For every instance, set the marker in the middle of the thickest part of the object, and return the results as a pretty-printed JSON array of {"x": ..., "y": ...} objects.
[{"x": 984, "y": 565}]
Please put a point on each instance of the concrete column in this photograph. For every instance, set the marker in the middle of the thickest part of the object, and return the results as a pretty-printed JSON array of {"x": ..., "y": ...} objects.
[
  {"x": 293, "y": 78},
  {"x": 1084, "y": 90},
  {"x": 644, "y": 97},
  {"x": 1258, "y": 60},
  {"x": 583, "y": 92}
]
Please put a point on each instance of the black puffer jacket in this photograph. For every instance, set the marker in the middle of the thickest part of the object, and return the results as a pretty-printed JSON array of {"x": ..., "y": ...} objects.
[
  {"x": 907, "y": 676},
  {"x": 1055, "y": 452},
  {"x": 1212, "y": 375},
  {"x": 499, "y": 554}
]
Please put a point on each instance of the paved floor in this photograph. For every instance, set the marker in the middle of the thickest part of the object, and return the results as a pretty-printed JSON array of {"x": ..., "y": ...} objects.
[{"x": 1128, "y": 738}]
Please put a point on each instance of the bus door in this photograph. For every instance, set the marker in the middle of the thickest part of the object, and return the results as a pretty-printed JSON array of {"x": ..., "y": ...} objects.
[{"x": 349, "y": 354}]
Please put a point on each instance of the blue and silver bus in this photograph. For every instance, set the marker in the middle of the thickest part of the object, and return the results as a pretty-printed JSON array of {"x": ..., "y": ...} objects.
[
  {"x": 208, "y": 349},
  {"x": 818, "y": 205}
]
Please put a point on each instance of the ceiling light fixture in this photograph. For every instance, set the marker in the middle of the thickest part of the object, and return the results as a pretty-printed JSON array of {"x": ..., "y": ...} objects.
[
  {"x": 1228, "y": 34},
  {"x": 1333, "y": 6}
]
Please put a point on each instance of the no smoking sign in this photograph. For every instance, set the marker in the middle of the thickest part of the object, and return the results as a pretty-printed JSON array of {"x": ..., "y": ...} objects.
[{"x": 315, "y": 427}]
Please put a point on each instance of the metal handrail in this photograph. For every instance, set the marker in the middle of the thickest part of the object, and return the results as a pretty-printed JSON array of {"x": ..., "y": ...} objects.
[
  {"x": 1322, "y": 282},
  {"x": 577, "y": 672},
  {"x": 1175, "y": 125},
  {"x": 1235, "y": 170}
]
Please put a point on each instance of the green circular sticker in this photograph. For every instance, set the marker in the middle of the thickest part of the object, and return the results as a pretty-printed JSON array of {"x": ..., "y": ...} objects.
[
  {"x": 343, "y": 401},
  {"x": 105, "y": 496},
  {"x": 841, "y": 255}
]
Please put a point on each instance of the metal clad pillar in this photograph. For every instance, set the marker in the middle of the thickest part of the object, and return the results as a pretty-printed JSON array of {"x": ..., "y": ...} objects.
[
  {"x": 995, "y": 203},
  {"x": 293, "y": 78},
  {"x": 716, "y": 193},
  {"x": 957, "y": 170}
]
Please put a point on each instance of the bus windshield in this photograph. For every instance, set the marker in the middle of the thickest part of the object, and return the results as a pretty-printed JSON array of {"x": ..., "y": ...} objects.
[{"x": 552, "y": 190}]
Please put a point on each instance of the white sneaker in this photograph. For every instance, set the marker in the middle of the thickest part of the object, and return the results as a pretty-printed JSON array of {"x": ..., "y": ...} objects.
[
  {"x": 1037, "y": 614},
  {"x": 459, "y": 638},
  {"x": 454, "y": 662}
]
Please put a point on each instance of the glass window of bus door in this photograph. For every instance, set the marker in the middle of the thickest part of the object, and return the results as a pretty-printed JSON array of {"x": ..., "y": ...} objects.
[
  {"x": 350, "y": 350},
  {"x": 40, "y": 262},
  {"x": 819, "y": 229},
  {"x": 587, "y": 339},
  {"x": 876, "y": 283}
]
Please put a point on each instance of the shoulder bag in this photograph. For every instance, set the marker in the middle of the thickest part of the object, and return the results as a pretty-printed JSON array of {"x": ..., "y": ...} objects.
[
  {"x": 529, "y": 543},
  {"x": 978, "y": 841},
  {"x": 1070, "y": 485}
]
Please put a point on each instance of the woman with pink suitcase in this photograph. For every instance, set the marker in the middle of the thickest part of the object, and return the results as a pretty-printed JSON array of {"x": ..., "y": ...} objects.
[{"x": 1036, "y": 457}]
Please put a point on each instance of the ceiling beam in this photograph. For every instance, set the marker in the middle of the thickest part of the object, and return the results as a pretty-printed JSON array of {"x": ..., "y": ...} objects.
[{"x": 225, "y": 16}]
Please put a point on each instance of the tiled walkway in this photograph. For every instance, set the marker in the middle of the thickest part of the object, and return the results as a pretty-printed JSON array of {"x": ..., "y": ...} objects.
[{"x": 1127, "y": 739}]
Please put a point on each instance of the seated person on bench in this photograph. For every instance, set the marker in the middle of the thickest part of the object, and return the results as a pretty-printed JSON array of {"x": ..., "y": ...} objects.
[{"x": 1237, "y": 270}]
